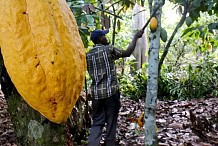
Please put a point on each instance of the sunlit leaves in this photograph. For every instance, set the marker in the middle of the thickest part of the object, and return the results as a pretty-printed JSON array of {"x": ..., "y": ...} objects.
[{"x": 197, "y": 6}]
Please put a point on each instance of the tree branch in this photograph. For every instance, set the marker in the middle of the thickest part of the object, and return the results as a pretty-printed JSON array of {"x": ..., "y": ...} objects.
[
  {"x": 108, "y": 13},
  {"x": 113, "y": 4}
]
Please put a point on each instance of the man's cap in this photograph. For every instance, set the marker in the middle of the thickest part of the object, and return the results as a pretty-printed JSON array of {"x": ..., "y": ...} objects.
[{"x": 97, "y": 33}]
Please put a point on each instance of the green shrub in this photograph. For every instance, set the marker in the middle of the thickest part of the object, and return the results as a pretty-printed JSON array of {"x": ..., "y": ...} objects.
[
  {"x": 198, "y": 80},
  {"x": 192, "y": 81},
  {"x": 133, "y": 85}
]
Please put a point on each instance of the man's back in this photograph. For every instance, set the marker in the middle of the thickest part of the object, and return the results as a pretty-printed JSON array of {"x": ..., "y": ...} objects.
[{"x": 101, "y": 67}]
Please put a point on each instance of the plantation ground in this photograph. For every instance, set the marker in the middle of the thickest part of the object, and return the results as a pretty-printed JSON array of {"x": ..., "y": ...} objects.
[
  {"x": 184, "y": 123},
  {"x": 180, "y": 123}
]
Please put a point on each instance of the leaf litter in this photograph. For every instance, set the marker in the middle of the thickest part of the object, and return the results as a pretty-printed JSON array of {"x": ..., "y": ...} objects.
[{"x": 179, "y": 123}]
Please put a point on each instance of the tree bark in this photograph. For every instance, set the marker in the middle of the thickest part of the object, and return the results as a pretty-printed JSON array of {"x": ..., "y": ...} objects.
[
  {"x": 31, "y": 128},
  {"x": 152, "y": 83}
]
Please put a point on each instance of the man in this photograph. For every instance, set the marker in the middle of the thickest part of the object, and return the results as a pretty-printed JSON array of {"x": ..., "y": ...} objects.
[{"x": 105, "y": 88}]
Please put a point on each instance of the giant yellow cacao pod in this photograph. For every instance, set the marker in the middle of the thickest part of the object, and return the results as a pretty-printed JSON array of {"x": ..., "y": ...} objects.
[{"x": 43, "y": 54}]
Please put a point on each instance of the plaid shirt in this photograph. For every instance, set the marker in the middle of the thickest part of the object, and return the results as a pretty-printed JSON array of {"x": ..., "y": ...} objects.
[{"x": 102, "y": 69}]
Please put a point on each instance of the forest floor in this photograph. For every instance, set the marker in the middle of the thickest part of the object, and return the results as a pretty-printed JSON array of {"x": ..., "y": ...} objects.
[
  {"x": 7, "y": 136},
  {"x": 179, "y": 123}
]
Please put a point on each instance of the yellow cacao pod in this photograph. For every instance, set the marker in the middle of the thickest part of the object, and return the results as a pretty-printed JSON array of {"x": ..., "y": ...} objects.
[
  {"x": 153, "y": 23},
  {"x": 43, "y": 54}
]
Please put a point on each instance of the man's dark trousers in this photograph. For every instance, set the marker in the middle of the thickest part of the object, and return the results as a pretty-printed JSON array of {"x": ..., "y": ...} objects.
[{"x": 104, "y": 111}]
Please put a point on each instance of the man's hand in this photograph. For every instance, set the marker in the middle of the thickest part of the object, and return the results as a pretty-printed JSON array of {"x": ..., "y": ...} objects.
[{"x": 139, "y": 33}]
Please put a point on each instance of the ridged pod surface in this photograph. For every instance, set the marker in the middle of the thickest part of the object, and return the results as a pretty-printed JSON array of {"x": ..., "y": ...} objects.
[{"x": 43, "y": 54}]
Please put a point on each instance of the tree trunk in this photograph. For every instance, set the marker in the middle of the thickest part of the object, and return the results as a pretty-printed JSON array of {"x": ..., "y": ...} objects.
[
  {"x": 31, "y": 128},
  {"x": 152, "y": 84}
]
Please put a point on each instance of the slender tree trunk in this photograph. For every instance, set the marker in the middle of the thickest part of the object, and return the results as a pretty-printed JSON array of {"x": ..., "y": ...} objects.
[
  {"x": 152, "y": 84},
  {"x": 31, "y": 128}
]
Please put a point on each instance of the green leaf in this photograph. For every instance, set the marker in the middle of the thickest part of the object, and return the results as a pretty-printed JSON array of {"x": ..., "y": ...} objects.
[
  {"x": 212, "y": 26},
  {"x": 201, "y": 32},
  {"x": 188, "y": 30},
  {"x": 216, "y": 8},
  {"x": 194, "y": 14},
  {"x": 188, "y": 21},
  {"x": 181, "y": 2},
  {"x": 196, "y": 3},
  {"x": 90, "y": 19},
  {"x": 210, "y": 4}
]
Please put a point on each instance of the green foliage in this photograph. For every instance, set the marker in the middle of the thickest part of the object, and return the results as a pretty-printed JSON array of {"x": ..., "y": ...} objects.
[
  {"x": 91, "y": 14},
  {"x": 183, "y": 76},
  {"x": 191, "y": 81},
  {"x": 201, "y": 6},
  {"x": 190, "y": 70},
  {"x": 195, "y": 8},
  {"x": 134, "y": 86},
  {"x": 86, "y": 21},
  {"x": 199, "y": 37},
  {"x": 198, "y": 80}
]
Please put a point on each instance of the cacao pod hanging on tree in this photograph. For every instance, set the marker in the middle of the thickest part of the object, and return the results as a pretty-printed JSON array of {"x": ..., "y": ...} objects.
[{"x": 153, "y": 23}]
